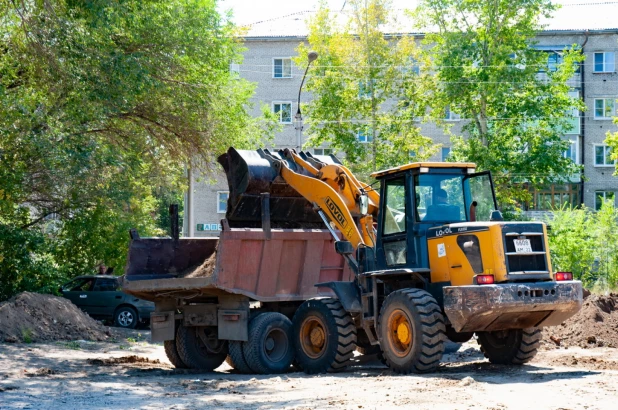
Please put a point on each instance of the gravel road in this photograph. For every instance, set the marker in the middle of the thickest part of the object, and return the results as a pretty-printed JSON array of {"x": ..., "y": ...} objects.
[{"x": 131, "y": 373}]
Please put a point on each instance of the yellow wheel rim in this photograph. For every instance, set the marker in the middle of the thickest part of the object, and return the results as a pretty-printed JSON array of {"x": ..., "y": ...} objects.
[
  {"x": 313, "y": 337},
  {"x": 400, "y": 333}
]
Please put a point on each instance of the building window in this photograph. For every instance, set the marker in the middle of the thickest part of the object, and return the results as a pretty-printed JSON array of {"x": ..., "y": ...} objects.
[
  {"x": 571, "y": 152},
  {"x": 222, "y": 197},
  {"x": 364, "y": 135},
  {"x": 235, "y": 68},
  {"x": 604, "y": 62},
  {"x": 284, "y": 109},
  {"x": 555, "y": 197},
  {"x": 322, "y": 151},
  {"x": 601, "y": 196},
  {"x": 573, "y": 117},
  {"x": 282, "y": 68},
  {"x": 553, "y": 61},
  {"x": 602, "y": 156},
  {"x": 450, "y": 115},
  {"x": 604, "y": 108},
  {"x": 365, "y": 88},
  {"x": 446, "y": 152}
]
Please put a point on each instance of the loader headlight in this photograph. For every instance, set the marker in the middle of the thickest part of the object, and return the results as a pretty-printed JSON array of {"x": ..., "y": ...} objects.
[{"x": 363, "y": 204}]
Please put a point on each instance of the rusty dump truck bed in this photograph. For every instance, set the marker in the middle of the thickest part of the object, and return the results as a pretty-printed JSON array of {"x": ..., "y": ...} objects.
[{"x": 284, "y": 267}]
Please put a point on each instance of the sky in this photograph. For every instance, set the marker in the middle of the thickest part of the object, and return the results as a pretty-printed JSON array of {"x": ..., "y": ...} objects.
[{"x": 252, "y": 11}]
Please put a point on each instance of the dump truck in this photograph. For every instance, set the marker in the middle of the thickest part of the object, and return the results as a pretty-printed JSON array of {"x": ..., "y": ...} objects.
[{"x": 312, "y": 264}]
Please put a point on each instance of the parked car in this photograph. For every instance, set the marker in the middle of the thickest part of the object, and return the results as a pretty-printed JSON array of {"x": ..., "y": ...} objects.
[{"x": 101, "y": 297}]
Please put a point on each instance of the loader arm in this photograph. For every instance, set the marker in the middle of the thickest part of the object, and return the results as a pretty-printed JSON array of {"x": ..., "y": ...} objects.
[{"x": 336, "y": 192}]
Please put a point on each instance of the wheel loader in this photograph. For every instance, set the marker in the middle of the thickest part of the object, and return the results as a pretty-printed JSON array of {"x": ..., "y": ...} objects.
[{"x": 312, "y": 264}]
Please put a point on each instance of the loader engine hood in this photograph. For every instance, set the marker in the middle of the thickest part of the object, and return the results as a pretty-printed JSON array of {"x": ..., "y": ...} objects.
[{"x": 511, "y": 251}]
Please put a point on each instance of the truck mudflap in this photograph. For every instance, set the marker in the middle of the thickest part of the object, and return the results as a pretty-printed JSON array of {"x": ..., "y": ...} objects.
[{"x": 511, "y": 305}]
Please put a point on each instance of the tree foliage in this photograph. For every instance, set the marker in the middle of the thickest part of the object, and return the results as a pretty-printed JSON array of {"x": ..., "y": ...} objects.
[
  {"x": 612, "y": 141},
  {"x": 515, "y": 108},
  {"x": 365, "y": 83},
  {"x": 101, "y": 105}
]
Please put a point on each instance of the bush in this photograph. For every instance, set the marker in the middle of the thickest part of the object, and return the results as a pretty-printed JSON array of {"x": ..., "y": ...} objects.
[{"x": 586, "y": 243}]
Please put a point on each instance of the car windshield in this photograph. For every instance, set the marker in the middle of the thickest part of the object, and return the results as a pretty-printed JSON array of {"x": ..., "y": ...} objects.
[
  {"x": 448, "y": 197},
  {"x": 84, "y": 285}
]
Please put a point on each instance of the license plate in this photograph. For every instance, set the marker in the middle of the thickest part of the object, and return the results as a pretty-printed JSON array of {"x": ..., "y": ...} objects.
[{"x": 522, "y": 246}]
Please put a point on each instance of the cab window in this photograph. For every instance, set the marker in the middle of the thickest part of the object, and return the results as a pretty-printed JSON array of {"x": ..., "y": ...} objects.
[{"x": 395, "y": 209}]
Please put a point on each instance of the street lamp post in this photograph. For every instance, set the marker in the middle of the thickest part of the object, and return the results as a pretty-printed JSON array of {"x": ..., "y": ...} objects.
[{"x": 298, "y": 118}]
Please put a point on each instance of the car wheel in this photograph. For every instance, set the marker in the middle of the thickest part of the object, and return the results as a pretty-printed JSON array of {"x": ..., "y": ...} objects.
[{"x": 126, "y": 317}]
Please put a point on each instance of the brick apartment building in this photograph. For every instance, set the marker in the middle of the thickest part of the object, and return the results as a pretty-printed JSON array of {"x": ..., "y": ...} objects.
[{"x": 271, "y": 44}]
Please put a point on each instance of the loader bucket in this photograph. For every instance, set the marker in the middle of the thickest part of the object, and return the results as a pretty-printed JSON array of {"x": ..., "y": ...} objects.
[{"x": 249, "y": 174}]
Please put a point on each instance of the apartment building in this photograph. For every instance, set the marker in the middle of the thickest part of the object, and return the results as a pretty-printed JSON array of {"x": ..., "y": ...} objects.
[{"x": 267, "y": 62}]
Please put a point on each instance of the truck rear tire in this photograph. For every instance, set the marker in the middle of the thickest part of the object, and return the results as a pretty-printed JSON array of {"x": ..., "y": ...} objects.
[
  {"x": 324, "y": 336},
  {"x": 172, "y": 354},
  {"x": 513, "y": 346},
  {"x": 236, "y": 358},
  {"x": 195, "y": 353},
  {"x": 411, "y": 331},
  {"x": 270, "y": 348}
]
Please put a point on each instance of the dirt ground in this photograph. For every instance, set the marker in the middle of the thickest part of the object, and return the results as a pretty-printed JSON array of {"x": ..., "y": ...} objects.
[{"x": 131, "y": 373}]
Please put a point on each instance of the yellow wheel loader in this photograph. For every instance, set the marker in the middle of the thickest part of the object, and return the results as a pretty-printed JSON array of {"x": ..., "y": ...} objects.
[{"x": 427, "y": 257}]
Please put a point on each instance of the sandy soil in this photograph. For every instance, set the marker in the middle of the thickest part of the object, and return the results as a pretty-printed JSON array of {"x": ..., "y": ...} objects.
[{"x": 130, "y": 373}]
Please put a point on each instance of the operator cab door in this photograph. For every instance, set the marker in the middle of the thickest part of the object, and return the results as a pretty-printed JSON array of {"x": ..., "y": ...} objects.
[
  {"x": 393, "y": 250},
  {"x": 479, "y": 188}
]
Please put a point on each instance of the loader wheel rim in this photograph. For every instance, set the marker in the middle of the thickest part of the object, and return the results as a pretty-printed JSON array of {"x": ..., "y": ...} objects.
[
  {"x": 313, "y": 337},
  {"x": 276, "y": 345},
  {"x": 400, "y": 333}
]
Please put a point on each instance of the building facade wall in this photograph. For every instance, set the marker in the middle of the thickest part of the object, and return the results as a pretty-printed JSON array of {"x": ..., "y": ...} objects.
[{"x": 257, "y": 67}]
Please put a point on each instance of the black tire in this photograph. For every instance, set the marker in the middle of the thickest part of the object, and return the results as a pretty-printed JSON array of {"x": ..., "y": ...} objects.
[
  {"x": 514, "y": 346},
  {"x": 411, "y": 331},
  {"x": 236, "y": 358},
  {"x": 458, "y": 337},
  {"x": 172, "y": 354},
  {"x": 126, "y": 317},
  {"x": 270, "y": 348},
  {"x": 324, "y": 336},
  {"x": 195, "y": 353}
]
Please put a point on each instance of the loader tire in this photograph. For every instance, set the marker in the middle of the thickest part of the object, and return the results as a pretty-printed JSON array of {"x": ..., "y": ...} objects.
[
  {"x": 172, "y": 354},
  {"x": 411, "y": 331},
  {"x": 236, "y": 358},
  {"x": 513, "y": 346},
  {"x": 324, "y": 336},
  {"x": 195, "y": 353},
  {"x": 270, "y": 348}
]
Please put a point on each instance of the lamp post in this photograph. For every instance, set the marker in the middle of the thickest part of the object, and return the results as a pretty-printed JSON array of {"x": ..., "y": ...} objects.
[{"x": 298, "y": 118}]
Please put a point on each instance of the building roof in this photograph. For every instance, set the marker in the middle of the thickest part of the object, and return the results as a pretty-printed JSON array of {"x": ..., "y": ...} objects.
[{"x": 592, "y": 16}]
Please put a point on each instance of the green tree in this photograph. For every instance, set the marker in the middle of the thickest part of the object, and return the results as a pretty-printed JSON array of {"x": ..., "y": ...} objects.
[
  {"x": 365, "y": 83},
  {"x": 612, "y": 141},
  {"x": 513, "y": 104},
  {"x": 101, "y": 105}
]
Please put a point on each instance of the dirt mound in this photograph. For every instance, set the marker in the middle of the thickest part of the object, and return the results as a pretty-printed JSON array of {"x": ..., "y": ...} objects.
[
  {"x": 595, "y": 325},
  {"x": 205, "y": 270},
  {"x": 32, "y": 317},
  {"x": 123, "y": 360}
]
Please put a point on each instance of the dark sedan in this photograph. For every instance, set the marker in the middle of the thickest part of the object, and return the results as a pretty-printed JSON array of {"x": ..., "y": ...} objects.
[{"x": 102, "y": 298}]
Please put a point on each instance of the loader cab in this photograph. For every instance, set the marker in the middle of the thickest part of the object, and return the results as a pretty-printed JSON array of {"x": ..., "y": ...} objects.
[{"x": 419, "y": 196}]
